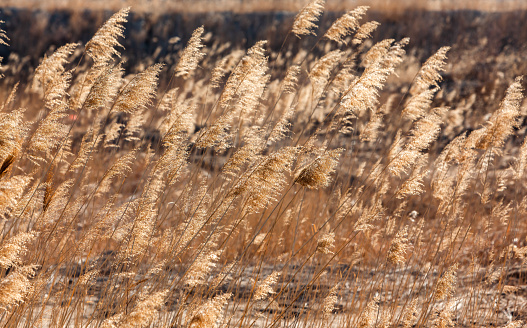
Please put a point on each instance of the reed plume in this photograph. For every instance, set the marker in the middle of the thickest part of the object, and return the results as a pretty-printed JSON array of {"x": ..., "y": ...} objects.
[
  {"x": 265, "y": 288},
  {"x": 347, "y": 24},
  {"x": 364, "y": 32},
  {"x": 316, "y": 173},
  {"x": 369, "y": 315},
  {"x": 446, "y": 284},
  {"x": 398, "y": 248},
  {"x": 137, "y": 95},
  {"x": 3, "y": 36},
  {"x": 430, "y": 73},
  {"x": 16, "y": 286},
  {"x": 13, "y": 249},
  {"x": 192, "y": 54},
  {"x": 53, "y": 66},
  {"x": 304, "y": 23},
  {"x": 208, "y": 314},
  {"x": 328, "y": 305},
  {"x": 102, "y": 46}
]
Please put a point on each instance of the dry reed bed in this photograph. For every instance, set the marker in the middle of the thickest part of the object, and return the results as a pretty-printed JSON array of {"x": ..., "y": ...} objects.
[{"x": 230, "y": 198}]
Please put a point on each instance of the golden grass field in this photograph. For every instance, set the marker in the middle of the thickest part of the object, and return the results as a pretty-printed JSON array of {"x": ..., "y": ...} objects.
[{"x": 316, "y": 169}]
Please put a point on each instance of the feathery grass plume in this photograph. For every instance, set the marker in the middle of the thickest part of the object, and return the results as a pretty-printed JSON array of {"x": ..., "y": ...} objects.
[
  {"x": 180, "y": 118},
  {"x": 369, "y": 316},
  {"x": 265, "y": 288},
  {"x": 90, "y": 141},
  {"x": 410, "y": 314},
  {"x": 290, "y": 82},
  {"x": 371, "y": 129},
  {"x": 425, "y": 131},
  {"x": 304, "y": 23},
  {"x": 137, "y": 95},
  {"x": 11, "y": 192},
  {"x": 364, "y": 32},
  {"x": 202, "y": 266},
  {"x": 140, "y": 235},
  {"x": 251, "y": 66},
  {"x": 369, "y": 215},
  {"x": 321, "y": 71},
  {"x": 521, "y": 161},
  {"x": 398, "y": 248},
  {"x": 121, "y": 168},
  {"x": 3, "y": 36},
  {"x": 225, "y": 65},
  {"x": 12, "y": 96},
  {"x": 502, "y": 122},
  {"x": 103, "y": 221},
  {"x": 58, "y": 209},
  {"x": 345, "y": 25},
  {"x": 146, "y": 215},
  {"x": 246, "y": 83},
  {"x": 326, "y": 243},
  {"x": 3, "y": 41},
  {"x": 47, "y": 137},
  {"x": 250, "y": 89},
  {"x": 249, "y": 152},
  {"x": 328, "y": 305},
  {"x": 430, "y": 73},
  {"x": 265, "y": 178},
  {"x": 13, "y": 249},
  {"x": 417, "y": 105},
  {"x": 102, "y": 46},
  {"x": 514, "y": 324},
  {"x": 16, "y": 286},
  {"x": 103, "y": 90},
  {"x": 345, "y": 75},
  {"x": 446, "y": 284},
  {"x": 414, "y": 184},
  {"x": 52, "y": 66},
  {"x": 208, "y": 314},
  {"x": 174, "y": 159},
  {"x": 217, "y": 134},
  {"x": 363, "y": 94},
  {"x": 191, "y": 55},
  {"x": 132, "y": 128},
  {"x": 51, "y": 131},
  {"x": 444, "y": 317},
  {"x": 377, "y": 52},
  {"x": 281, "y": 128},
  {"x": 141, "y": 315},
  {"x": 316, "y": 173},
  {"x": 13, "y": 131}
]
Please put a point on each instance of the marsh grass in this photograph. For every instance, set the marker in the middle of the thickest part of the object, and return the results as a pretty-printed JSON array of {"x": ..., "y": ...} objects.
[{"x": 264, "y": 198}]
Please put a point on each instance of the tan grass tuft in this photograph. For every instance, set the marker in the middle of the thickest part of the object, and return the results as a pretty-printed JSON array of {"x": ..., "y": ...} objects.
[
  {"x": 328, "y": 305},
  {"x": 304, "y": 23},
  {"x": 346, "y": 24},
  {"x": 265, "y": 288},
  {"x": 3, "y": 36},
  {"x": 369, "y": 315},
  {"x": 13, "y": 249},
  {"x": 326, "y": 243},
  {"x": 16, "y": 286},
  {"x": 192, "y": 55},
  {"x": 398, "y": 248},
  {"x": 101, "y": 47},
  {"x": 316, "y": 174},
  {"x": 430, "y": 72},
  {"x": 446, "y": 284},
  {"x": 209, "y": 313}
]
